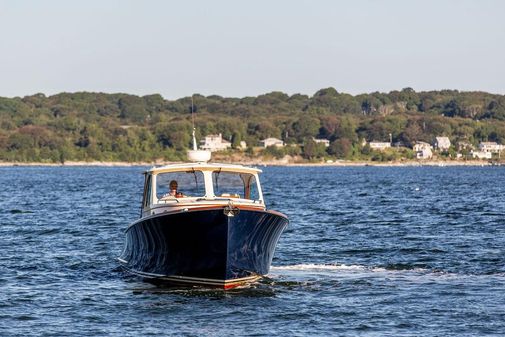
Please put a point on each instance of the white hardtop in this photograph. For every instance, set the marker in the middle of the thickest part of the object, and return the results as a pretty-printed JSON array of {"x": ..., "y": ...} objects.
[
  {"x": 155, "y": 199},
  {"x": 203, "y": 167}
]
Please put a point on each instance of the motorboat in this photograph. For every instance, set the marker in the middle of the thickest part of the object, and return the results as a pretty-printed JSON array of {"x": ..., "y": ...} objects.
[{"x": 214, "y": 231}]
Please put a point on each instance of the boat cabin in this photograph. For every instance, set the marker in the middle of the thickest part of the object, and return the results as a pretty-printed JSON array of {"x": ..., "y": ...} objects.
[{"x": 200, "y": 184}]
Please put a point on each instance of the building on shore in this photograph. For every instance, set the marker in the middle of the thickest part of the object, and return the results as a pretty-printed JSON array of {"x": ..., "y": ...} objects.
[
  {"x": 214, "y": 143},
  {"x": 326, "y": 142},
  {"x": 481, "y": 154},
  {"x": 271, "y": 142},
  {"x": 399, "y": 144},
  {"x": 380, "y": 146},
  {"x": 491, "y": 147},
  {"x": 423, "y": 150},
  {"x": 442, "y": 143}
]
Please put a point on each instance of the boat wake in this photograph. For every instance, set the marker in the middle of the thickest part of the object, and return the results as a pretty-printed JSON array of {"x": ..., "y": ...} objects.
[
  {"x": 320, "y": 267},
  {"x": 323, "y": 271},
  {"x": 403, "y": 271},
  {"x": 311, "y": 267}
]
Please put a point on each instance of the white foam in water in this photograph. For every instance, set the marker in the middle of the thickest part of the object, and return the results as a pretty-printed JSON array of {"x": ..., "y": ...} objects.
[
  {"x": 323, "y": 270},
  {"x": 343, "y": 270},
  {"x": 318, "y": 267}
]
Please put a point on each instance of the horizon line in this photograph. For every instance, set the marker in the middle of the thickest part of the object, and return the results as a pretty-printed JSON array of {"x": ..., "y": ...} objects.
[{"x": 246, "y": 96}]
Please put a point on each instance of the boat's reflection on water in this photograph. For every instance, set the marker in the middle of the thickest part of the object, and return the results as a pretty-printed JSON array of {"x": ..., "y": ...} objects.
[
  {"x": 256, "y": 289},
  {"x": 264, "y": 287}
]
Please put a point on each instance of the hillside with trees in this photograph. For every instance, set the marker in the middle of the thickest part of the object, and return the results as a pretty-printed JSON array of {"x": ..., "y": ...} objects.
[{"x": 87, "y": 126}]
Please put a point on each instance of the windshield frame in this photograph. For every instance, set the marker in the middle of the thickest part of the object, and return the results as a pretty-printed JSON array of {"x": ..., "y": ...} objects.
[{"x": 207, "y": 184}]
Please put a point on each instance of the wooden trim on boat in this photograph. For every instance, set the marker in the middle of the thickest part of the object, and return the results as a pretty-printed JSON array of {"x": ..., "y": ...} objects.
[
  {"x": 277, "y": 213},
  {"x": 196, "y": 208},
  {"x": 226, "y": 284}
]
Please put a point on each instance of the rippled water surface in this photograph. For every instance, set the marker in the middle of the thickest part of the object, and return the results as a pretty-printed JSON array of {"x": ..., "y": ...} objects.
[{"x": 370, "y": 251}]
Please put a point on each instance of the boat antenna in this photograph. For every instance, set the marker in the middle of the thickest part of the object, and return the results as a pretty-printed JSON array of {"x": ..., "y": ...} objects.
[{"x": 193, "y": 122}]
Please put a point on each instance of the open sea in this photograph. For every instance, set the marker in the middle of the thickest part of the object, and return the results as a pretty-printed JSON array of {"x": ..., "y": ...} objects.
[{"x": 369, "y": 251}]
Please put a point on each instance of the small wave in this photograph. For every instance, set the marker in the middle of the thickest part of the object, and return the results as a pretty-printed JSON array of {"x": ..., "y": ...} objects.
[
  {"x": 407, "y": 266},
  {"x": 19, "y": 211}
]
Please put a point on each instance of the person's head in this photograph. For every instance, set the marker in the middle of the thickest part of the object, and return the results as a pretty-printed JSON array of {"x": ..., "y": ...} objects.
[{"x": 173, "y": 185}]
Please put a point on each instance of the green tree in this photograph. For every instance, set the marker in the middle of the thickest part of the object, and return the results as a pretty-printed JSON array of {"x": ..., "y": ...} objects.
[
  {"x": 313, "y": 150},
  {"x": 341, "y": 148},
  {"x": 235, "y": 140}
]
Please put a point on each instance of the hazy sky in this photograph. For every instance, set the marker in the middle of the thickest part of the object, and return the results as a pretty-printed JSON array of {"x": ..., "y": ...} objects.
[{"x": 244, "y": 48}]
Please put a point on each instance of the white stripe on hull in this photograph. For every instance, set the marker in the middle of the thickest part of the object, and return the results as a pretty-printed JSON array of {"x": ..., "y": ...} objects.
[{"x": 195, "y": 280}]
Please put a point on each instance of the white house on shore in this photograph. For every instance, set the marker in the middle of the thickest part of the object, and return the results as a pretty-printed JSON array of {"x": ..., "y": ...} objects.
[
  {"x": 423, "y": 150},
  {"x": 491, "y": 147},
  {"x": 326, "y": 142},
  {"x": 442, "y": 143},
  {"x": 214, "y": 143},
  {"x": 271, "y": 142},
  {"x": 380, "y": 146},
  {"x": 481, "y": 154}
]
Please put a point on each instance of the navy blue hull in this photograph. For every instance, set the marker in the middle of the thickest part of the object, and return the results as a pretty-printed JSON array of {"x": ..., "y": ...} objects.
[{"x": 203, "y": 244}]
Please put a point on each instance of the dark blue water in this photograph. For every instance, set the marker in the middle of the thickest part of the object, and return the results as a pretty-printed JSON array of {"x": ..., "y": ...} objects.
[{"x": 369, "y": 252}]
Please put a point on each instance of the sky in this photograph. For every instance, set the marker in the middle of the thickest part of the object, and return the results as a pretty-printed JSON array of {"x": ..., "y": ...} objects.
[{"x": 239, "y": 48}]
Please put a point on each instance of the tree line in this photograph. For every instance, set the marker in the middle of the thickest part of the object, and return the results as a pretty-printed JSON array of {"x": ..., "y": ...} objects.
[{"x": 87, "y": 126}]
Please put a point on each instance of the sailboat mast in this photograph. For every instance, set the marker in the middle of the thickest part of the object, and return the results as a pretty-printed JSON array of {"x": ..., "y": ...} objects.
[
  {"x": 193, "y": 122},
  {"x": 196, "y": 155}
]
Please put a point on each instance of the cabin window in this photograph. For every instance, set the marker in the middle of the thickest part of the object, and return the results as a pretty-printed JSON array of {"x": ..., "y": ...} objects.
[
  {"x": 235, "y": 185},
  {"x": 189, "y": 184}
]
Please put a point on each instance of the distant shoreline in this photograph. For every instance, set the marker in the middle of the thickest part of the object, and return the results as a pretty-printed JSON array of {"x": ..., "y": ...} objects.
[{"x": 343, "y": 163}]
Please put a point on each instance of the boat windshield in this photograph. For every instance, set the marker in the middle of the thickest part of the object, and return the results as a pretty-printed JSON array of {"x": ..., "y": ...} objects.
[
  {"x": 189, "y": 184},
  {"x": 235, "y": 185}
]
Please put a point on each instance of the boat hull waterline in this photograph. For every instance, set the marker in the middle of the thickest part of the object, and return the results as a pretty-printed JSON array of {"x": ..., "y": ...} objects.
[{"x": 210, "y": 247}]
